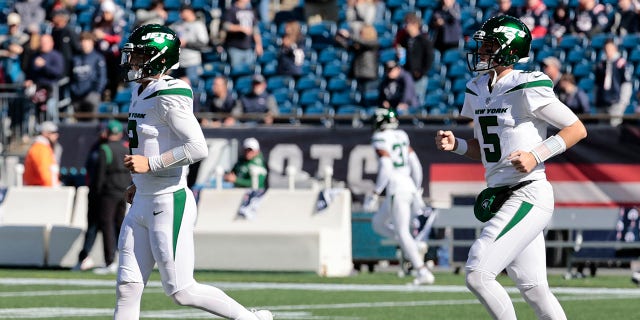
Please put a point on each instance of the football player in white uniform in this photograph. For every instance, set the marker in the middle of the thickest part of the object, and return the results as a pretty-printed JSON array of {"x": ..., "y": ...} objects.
[
  {"x": 511, "y": 110},
  {"x": 164, "y": 138},
  {"x": 400, "y": 173}
]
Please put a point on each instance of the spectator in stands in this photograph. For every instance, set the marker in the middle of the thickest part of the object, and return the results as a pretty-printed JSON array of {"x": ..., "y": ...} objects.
[
  {"x": 193, "y": 39},
  {"x": 446, "y": 25},
  {"x": 290, "y": 54},
  {"x": 41, "y": 162},
  {"x": 243, "y": 41},
  {"x": 32, "y": 13},
  {"x": 365, "y": 48},
  {"x": 109, "y": 183},
  {"x": 359, "y": 13},
  {"x": 613, "y": 87},
  {"x": 44, "y": 70},
  {"x": 252, "y": 161},
  {"x": 154, "y": 14},
  {"x": 397, "y": 90},
  {"x": 262, "y": 7},
  {"x": 65, "y": 38},
  {"x": 625, "y": 19},
  {"x": 503, "y": 7},
  {"x": 560, "y": 21},
  {"x": 551, "y": 66},
  {"x": 419, "y": 54},
  {"x": 221, "y": 101},
  {"x": 107, "y": 30},
  {"x": 258, "y": 101},
  {"x": 88, "y": 77},
  {"x": 536, "y": 18},
  {"x": 11, "y": 48},
  {"x": 574, "y": 97},
  {"x": 591, "y": 18}
]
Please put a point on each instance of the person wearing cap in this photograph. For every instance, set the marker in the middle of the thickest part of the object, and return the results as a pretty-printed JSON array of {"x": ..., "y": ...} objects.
[
  {"x": 41, "y": 163},
  {"x": 397, "y": 89},
  {"x": 105, "y": 180},
  {"x": 108, "y": 180},
  {"x": 551, "y": 66},
  {"x": 252, "y": 160},
  {"x": 258, "y": 101}
]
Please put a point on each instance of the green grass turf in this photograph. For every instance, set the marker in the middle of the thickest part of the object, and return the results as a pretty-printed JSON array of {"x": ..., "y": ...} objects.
[{"x": 448, "y": 300}]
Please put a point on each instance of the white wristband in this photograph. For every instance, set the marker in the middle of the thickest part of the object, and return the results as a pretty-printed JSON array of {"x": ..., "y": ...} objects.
[
  {"x": 462, "y": 147},
  {"x": 553, "y": 146}
]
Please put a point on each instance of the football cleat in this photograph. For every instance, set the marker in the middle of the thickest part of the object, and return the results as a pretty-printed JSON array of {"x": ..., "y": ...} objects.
[
  {"x": 263, "y": 314},
  {"x": 424, "y": 277}
]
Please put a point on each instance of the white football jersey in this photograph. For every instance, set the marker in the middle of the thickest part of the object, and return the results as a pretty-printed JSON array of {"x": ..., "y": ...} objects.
[
  {"x": 150, "y": 134},
  {"x": 505, "y": 121},
  {"x": 396, "y": 143}
]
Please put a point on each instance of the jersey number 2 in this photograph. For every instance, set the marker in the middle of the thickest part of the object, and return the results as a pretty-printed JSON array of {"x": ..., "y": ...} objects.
[{"x": 490, "y": 138}]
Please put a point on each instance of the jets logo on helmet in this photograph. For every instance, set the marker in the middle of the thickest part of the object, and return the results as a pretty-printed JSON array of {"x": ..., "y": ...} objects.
[
  {"x": 385, "y": 119},
  {"x": 501, "y": 41},
  {"x": 150, "y": 50}
]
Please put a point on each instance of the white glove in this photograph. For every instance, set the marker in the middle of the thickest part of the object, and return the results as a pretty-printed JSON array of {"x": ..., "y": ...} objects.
[{"x": 370, "y": 203}]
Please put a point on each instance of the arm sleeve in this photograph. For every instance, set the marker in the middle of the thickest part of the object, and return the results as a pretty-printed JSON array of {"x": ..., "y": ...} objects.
[
  {"x": 384, "y": 171},
  {"x": 194, "y": 148},
  {"x": 557, "y": 114},
  {"x": 416, "y": 169}
]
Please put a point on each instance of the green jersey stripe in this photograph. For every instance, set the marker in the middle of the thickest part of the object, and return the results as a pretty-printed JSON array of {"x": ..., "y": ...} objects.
[
  {"x": 176, "y": 91},
  {"x": 525, "y": 207},
  {"x": 532, "y": 84},
  {"x": 179, "y": 200},
  {"x": 467, "y": 90}
]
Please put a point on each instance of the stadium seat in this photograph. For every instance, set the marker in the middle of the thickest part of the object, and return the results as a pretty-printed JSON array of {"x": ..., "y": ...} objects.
[
  {"x": 426, "y": 4},
  {"x": 241, "y": 70},
  {"x": 387, "y": 55},
  {"x": 309, "y": 81},
  {"x": 582, "y": 70},
  {"x": 339, "y": 83},
  {"x": 575, "y": 55},
  {"x": 212, "y": 69},
  {"x": 452, "y": 56},
  {"x": 268, "y": 55},
  {"x": 630, "y": 42},
  {"x": 370, "y": 98},
  {"x": 270, "y": 68},
  {"x": 123, "y": 96},
  {"x": 172, "y": 4},
  {"x": 586, "y": 84},
  {"x": 397, "y": 17},
  {"x": 349, "y": 109},
  {"x": 459, "y": 85},
  {"x": 108, "y": 108},
  {"x": 434, "y": 98},
  {"x": 214, "y": 55},
  {"x": 331, "y": 54},
  {"x": 279, "y": 82},
  {"x": 315, "y": 108},
  {"x": 172, "y": 16},
  {"x": 139, "y": 4},
  {"x": 598, "y": 40},
  {"x": 322, "y": 34},
  {"x": 333, "y": 69},
  {"x": 340, "y": 98},
  {"x": 243, "y": 84},
  {"x": 283, "y": 95},
  {"x": 570, "y": 42},
  {"x": 460, "y": 69},
  {"x": 634, "y": 57},
  {"x": 311, "y": 96}
]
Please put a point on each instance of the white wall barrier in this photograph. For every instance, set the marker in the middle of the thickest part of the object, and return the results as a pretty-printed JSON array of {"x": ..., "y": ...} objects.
[{"x": 287, "y": 234}]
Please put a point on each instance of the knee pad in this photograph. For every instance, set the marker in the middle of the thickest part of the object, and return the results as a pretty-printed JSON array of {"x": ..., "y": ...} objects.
[
  {"x": 476, "y": 280},
  {"x": 129, "y": 290},
  {"x": 182, "y": 298}
]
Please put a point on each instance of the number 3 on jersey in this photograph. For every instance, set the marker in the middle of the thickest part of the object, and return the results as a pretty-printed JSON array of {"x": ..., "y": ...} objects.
[
  {"x": 133, "y": 135},
  {"x": 490, "y": 138}
]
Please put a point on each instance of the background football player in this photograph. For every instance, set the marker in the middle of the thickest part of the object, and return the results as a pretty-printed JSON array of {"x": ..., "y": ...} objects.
[
  {"x": 400, "y": 173},
  {"x": 511, "y": 110},
  {"x": 164, "y": 138}
]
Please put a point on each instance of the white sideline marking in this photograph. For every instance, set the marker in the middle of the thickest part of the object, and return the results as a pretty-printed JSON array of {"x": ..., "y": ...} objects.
[{"x": 294, "y": 312}]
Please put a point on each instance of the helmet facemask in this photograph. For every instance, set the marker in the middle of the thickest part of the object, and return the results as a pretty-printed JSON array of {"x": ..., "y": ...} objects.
[
  {"x": 151, "y": 50},
  {"x": 502, "y": 41}
]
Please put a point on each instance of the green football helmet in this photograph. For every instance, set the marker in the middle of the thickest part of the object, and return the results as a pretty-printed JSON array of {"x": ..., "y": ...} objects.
[
  {"x": 384, "y": 118},
  {"x": 505, "y": 40},
  {"x": 159, "y": 46}
]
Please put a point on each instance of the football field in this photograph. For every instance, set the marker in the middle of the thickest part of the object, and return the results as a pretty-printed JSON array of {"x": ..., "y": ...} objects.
[{"x": 61, "y": 294}]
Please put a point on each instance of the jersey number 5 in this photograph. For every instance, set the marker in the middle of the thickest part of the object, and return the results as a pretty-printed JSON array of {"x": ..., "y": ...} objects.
[{"x": 490, "y": 138}]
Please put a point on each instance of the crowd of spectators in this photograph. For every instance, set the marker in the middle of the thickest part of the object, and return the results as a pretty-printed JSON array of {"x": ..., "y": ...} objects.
[{"x": 46, "y": 49}]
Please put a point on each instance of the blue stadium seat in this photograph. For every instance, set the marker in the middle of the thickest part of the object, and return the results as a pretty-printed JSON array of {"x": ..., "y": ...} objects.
[
  {"x": 575, "y": 55},
  {"x": 394, "y": 4},
  {"x": 349, "y": 109},
  {"x": 397, "y": 17},
  {"x": 311, "y": 96},
  {"x": 309, "y": 81},
  {"x": 459, "y": 85},
  {"x": 283, "y": 95},
  {"x": 139, "y": 4},
  {"x": 452, "y": 56},
  {"x": 426, "y": 4},
  {"x": 333, "y": 69},
  {"x": 340, "y": 98},
  {"x": 485, "y": 4},
  {"x": 597, "y": 40},
  {"x": 387, "y": 55},
  {"x": 315, "y": 108},
  {"x": 172, "y": 4},
  {"x": 434, "y": 98},
  {"x": 123, "y": 96},
  {"x": 243, "y": 84},
  {"x": 270, "y": 68},
  {"x": 108, "y": 108},
  {"x": 370, "y": 98},
  {"x": 268, "y": 55},
  {"x": 458, "y": 70},
  {"x": 570, "y": 42},
  {"x": 586, "y": 84},
  {"x": 331, "y": 54},
  {"x": 630, "y": 41},
  {"x": 582, "y": 70},
  {"x": 634, "y": 57},
  {"x": 338, "y": 83},
  {"x": 172, "y": 16},
  {"x": 322, "y": 34},
  {"x": 241, "y": 70},
  {"x": 279, "y": 82},
  {"x": 212, "y": 69},
  {"x": 214, "y": 55},
  {"x": 85, "y": 19}
]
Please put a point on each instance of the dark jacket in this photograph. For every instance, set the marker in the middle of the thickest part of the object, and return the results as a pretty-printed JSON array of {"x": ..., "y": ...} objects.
[
  {"x": 50, "y": 73},
  {"x": 399, "y": 90},
  {"x": 89, "y": 74},
  {"x": 365, "y": 57},
  {"x": 419, "y": 55},
  {"x": 111, "y": 176},
  {"x": 287, "y": 61},
  {"x": 605, "y": 98}
]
